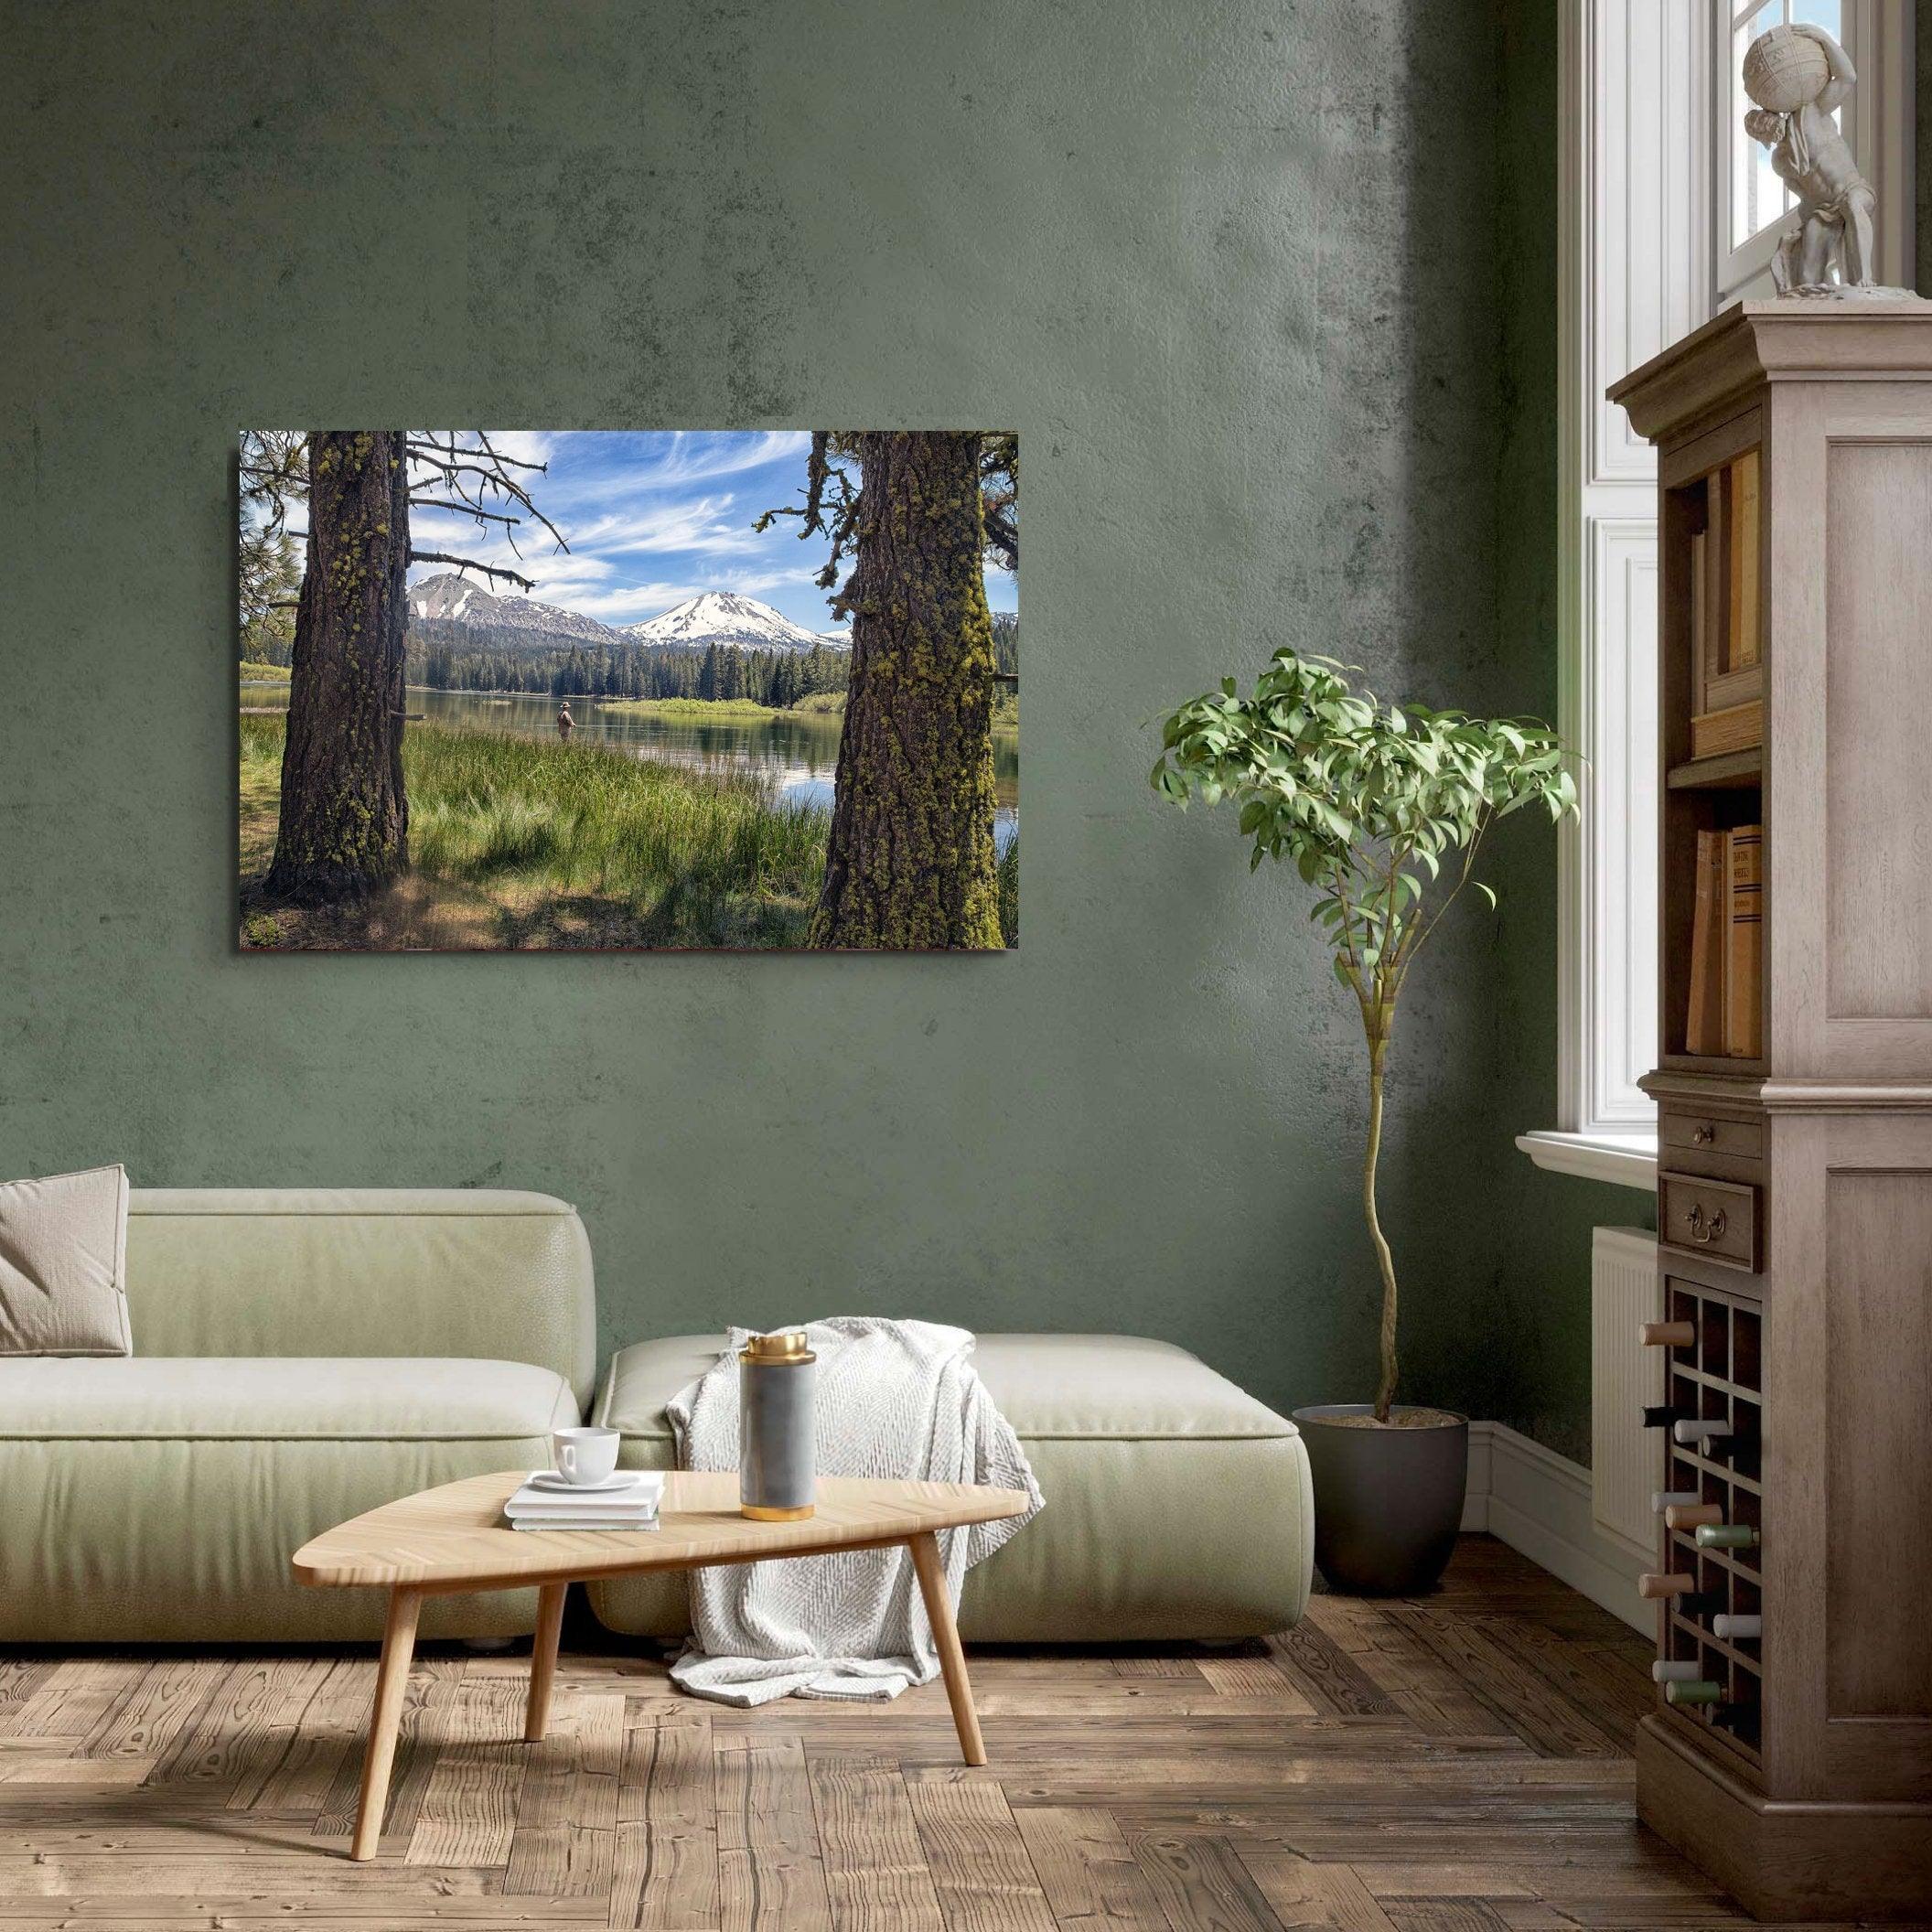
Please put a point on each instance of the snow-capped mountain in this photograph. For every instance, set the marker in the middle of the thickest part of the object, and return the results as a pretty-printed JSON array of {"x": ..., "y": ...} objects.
[
  {"x": 455, "y": 600},
  {"x": 720, "y": 616},
  {"x": 717, "y": 616},
  {"x": 839, "y": 637}
]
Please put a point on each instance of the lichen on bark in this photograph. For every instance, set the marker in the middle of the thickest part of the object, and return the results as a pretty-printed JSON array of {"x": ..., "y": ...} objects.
[{"x": 910, "y": 860}]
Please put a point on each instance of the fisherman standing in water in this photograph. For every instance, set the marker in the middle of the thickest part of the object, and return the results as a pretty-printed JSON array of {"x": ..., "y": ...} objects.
[{"x": 565, "y": 723}]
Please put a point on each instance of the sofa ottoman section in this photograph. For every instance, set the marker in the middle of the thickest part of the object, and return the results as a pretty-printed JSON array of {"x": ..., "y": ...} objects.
[{"x": 1177, "y": 1505}]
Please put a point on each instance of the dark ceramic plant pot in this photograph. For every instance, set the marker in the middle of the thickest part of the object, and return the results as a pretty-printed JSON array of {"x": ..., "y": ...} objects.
[{"x": 1387, "y": 1502}]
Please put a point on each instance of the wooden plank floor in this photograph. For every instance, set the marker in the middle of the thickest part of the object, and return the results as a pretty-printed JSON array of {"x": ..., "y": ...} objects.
[{"x": 1458, "y": 1762}]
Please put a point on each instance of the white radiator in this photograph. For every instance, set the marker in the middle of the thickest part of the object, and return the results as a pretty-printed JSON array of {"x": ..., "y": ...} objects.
[{"x": 1624, "y": 1376}]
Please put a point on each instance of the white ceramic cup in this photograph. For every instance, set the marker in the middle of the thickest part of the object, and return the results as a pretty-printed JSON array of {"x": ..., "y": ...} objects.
[{"x": 583, "y": 1456}]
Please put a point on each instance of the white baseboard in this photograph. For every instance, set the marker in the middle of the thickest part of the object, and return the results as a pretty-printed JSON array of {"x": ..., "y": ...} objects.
[{"x": 1539, "y": 1503}]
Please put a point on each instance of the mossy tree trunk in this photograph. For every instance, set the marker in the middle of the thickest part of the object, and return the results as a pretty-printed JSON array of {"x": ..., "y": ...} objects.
[
  {"x": 344, "y": 828},
  {"x": 910, "y": 860}
]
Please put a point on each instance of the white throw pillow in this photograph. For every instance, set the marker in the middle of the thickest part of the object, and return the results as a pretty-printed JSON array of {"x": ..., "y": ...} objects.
[{"x": 63, "y": 1264}]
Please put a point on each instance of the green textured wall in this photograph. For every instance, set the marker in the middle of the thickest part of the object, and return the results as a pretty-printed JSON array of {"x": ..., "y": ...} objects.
[{"x": 1241, "y": 274}]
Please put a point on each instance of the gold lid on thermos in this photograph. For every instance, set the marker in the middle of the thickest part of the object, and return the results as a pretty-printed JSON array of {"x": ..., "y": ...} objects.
[
  {"x": 777, "y": 1391},
  {"x": 782, "y": 1345}
]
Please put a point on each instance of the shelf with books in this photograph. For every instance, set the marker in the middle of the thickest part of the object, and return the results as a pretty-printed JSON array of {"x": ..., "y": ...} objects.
[
  {"x": 1714, "y": 731},
  {"x": 1713, "y": 974}
]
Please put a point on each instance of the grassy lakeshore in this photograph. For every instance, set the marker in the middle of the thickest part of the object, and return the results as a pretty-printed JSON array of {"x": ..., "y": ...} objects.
[
  {"x": 740, "y": 711},
  {"x": 524, "y": 842},
  {"x": 256, "y": 673}
]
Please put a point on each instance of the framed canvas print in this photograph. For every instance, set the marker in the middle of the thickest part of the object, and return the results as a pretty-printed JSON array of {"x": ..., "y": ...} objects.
[{"x": 621, "y": 690}]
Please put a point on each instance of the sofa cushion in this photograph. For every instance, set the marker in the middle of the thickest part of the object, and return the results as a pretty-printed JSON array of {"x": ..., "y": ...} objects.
[
  {"x": 281, "y": 1399},
  {"x": 159, "y": 1500},
  {"x": 63, "y": 1264},
  {"x": 436, "y": 1272},
  {"x": 1178, "y": 1505},
  {"x": 1051, "y": 1388}
]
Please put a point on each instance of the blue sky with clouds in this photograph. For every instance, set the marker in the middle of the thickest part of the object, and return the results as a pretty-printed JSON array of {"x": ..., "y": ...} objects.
[{"x": 653, "y": 517}]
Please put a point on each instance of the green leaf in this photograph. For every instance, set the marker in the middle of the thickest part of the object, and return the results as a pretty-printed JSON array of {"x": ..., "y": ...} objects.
[{"x": 1485, "y": 892}]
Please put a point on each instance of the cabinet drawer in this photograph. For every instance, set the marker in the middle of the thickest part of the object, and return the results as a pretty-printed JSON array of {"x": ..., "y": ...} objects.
[
  {"x": 1717, "y": 1219},
  {"x": 1712, "y": 1134}
]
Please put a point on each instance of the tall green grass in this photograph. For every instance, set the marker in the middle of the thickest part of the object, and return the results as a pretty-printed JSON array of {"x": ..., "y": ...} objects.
[{"x": 679, "y": 857}]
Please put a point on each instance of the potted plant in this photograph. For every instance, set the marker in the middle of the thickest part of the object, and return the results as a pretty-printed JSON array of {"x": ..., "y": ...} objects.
[{"x": 1382, "y": 810}]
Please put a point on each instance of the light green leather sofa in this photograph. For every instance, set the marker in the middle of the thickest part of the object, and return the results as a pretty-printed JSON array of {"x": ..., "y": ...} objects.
[
  {"x": 1178, "y": 1505},
  {"x": 299, "y": 1357}
]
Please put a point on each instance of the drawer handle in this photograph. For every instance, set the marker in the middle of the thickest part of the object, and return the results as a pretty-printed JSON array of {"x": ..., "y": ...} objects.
[
  {"x": 1703, "y": 1135},
  {"x": 1705, "y": 1228}
]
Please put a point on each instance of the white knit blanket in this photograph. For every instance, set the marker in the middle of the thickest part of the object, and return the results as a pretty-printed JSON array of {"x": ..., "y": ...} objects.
[{"x": 895, "y": 1398}]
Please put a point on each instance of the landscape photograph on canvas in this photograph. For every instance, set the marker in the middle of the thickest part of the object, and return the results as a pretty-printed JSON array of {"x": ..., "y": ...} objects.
[{"x": 611, "y": 690}]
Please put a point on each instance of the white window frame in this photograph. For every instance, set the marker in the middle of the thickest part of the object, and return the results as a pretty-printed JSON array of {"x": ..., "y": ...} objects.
[
  {"x": 1877, "y": 120},
  {"x": 1643, "y": 222}
]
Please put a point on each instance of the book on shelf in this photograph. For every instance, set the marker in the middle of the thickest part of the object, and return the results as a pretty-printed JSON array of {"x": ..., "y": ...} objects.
[
  {"x": 1724, "y": 1011},
  {"x": 1741, "y": 505},
  {"x": 1726, "y": 562},
  {"x": 1704, "y": 1025},
  {"x": 1700, "y": 612},
  {"x": 1739, "y": 727},
  {"x": 1744, "y": 940}
]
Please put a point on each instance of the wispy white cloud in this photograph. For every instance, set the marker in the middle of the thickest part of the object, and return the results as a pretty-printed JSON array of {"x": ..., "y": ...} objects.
[{"x": 715, "y": 526}]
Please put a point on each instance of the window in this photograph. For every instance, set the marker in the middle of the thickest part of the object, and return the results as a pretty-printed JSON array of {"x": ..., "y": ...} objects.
[{"x": 1668, "y": 211}]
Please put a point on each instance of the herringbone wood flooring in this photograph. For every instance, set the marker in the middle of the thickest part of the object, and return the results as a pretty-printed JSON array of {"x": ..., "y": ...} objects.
[{"x": 1457, "y": 1761}]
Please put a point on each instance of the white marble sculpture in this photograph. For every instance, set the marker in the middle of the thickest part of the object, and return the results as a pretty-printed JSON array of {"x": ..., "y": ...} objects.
[{"x": 1799, "y": 75}]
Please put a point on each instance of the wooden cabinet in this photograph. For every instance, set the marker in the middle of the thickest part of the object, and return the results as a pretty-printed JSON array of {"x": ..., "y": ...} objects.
[{"x": 1795, "y": 1098}]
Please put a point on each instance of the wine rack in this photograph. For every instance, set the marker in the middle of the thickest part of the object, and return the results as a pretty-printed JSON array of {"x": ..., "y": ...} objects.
[
  {"x": 1717, "y": 1374},
  {"x": 1790, "y": 1753}
]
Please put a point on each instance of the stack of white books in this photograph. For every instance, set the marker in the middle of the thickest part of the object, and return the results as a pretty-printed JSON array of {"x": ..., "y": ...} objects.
[{"x": 628, "y": 1500}]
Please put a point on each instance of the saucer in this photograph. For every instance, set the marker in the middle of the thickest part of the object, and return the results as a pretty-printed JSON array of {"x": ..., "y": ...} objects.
[{"x": 562, "y": 1484}]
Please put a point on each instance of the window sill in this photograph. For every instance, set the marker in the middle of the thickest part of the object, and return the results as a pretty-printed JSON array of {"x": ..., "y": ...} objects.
[{"x": 1625, "y": 1160}]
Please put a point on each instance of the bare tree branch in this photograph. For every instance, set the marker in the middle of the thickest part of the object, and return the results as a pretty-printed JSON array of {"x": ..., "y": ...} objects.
[
  {"x": 1003, "y": 535},
  {"x": 454, "y": 463},
  {"x": 516, "y": 462},
  {"x": 488, "y": 570},
  {"x": 467, "y": 509}
]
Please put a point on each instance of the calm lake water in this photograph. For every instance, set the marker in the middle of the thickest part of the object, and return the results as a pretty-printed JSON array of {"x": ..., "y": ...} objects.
[{"x": 797, "y": 751}]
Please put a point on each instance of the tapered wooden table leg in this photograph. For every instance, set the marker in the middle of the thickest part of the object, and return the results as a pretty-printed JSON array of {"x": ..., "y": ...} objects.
[
  {"x": 543, "y": 1659},
  {"x": 946, "y": 1638},
  {"x": 399, "y": 1644}
]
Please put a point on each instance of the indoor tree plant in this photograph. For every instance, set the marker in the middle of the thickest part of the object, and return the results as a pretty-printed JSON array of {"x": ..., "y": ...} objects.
[{"x": 1382, "y": 810}]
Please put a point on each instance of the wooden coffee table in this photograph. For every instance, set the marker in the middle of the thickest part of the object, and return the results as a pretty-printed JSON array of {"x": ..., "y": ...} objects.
[{"x": 452, "y": 1539}]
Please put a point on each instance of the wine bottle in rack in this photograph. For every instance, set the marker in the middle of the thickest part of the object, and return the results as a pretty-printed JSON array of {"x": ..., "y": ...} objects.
[
  {"x": 1673, "y": 1670},
  {"x": 1737, "y": 1629},
  {"x": 1680, "y": 1590},
  {"x": 1663, "y": 1499},
  {"x": 1668, "y": 1335},
  {"x": 1665, "y": 1415},
  {"x": 1692, "y": 1516},
  {"x": 1726, "y": 1536},
  {"x": 1678, "y": 1583},
  {"x": 1699, "y": 1430},
  {"x": 1694, "y": 1690}
]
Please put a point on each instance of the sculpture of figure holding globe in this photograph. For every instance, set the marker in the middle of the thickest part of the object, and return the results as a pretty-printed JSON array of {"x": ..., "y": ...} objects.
[{"x": 1798, "y": 75}]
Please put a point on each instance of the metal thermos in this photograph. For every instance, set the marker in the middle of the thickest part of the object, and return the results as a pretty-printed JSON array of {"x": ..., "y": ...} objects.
[{"x": 777, "y": 1375}]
